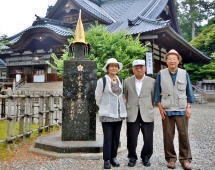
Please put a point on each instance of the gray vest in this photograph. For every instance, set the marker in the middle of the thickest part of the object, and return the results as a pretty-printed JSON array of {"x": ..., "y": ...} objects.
[{"x": 173, "y": 97}]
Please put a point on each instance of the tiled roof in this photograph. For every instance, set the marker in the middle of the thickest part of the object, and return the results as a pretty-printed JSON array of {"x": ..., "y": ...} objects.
[
  {"x": 139, "y": 25},
  {"x": 127, "y": 9},
  {"x": 63, "y": 31},
  {"x": 154, "y": 9},
  {"x": 111, "y": 11},
  {"x": 120, "y": 10},
  {"x": 95, "y": 10}
]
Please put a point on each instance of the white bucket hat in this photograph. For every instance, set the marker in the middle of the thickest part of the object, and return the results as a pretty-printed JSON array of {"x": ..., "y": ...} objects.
[
  {"x": 138, "y": 63},
  {"x": 112, "y": 61}
]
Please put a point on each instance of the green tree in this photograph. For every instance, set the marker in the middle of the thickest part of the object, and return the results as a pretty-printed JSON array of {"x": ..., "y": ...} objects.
[
  {"x": 205, "y": 42},
  {"x": 194, "y": 71},
  {"x": 208, "y": 71},
  {"x": 192, "y": 13},
  {"x": 106, "y": 45}
]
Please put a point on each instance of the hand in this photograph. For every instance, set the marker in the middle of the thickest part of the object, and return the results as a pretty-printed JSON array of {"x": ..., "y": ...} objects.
[
  {"x": 162, "y": 112},
  {"x": 188, "y": 112}
]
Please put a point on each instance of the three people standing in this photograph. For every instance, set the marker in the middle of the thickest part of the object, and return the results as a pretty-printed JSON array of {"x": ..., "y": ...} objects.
[{"x": 172, "y": 92}]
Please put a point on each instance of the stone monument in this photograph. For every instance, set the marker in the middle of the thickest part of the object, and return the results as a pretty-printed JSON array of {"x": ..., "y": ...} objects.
[
  {"x": 79, "y": 107},
  {"x": 79, "y": 114}
]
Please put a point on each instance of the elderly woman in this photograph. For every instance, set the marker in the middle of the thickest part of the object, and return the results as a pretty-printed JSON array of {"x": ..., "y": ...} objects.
[{"x": 112, "y": 110}]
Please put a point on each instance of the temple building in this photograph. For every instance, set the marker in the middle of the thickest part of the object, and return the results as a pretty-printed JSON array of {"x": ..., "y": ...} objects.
[{"x": 155, "y": 21}]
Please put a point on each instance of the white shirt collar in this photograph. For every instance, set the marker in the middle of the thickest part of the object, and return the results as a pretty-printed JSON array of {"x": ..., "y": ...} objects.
[{"x": 140, "y": 79}]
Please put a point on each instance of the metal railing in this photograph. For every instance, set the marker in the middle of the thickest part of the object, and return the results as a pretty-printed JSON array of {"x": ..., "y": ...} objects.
[{"x": 28, "y": 112}]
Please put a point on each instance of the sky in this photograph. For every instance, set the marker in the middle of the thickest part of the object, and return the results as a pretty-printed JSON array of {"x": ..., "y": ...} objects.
[{"x": 17, "y": 15}]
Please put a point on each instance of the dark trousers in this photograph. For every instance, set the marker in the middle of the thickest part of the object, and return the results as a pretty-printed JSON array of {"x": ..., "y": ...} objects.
[
  {"x": 133, "y": 129},
  {"x": 111, "y": 131},
  {"x": 168, "y": 135}
]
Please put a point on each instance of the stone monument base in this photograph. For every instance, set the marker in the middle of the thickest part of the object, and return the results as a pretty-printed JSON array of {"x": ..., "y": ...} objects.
[
  {"x": 54, "y": 143},
  {"x": 53, "y": 146}
]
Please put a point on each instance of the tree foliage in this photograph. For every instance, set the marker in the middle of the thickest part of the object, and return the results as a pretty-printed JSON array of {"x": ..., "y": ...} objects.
[
  {"x": 106, "y": 45},
  {"x": 205, "y": 42},
  {"x": 192, "y": 13},
  {"x": 200, "y": 72}
]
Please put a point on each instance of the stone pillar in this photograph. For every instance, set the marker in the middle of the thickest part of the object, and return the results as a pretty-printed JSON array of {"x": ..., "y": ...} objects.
[
  {"x": 79, "y": 119},
  {"x": 79, "y": 108}
]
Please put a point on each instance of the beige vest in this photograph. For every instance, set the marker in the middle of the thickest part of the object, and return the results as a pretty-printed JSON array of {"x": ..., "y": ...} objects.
[{"x": 173, "y": 97}]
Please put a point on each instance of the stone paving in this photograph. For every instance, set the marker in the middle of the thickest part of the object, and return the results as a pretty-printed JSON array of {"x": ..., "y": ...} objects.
[{"x": 202, "y": 140}]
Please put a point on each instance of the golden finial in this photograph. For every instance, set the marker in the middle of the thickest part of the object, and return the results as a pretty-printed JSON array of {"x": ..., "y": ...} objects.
[{"x": 79, "y": 32}]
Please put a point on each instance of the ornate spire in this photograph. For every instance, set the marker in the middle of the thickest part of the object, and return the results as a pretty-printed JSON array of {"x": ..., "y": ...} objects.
[{"x": 79, "y": 32}]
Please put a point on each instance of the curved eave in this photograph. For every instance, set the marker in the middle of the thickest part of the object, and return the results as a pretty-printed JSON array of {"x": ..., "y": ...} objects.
[
  {"x": 154, "y": 9},
  {"x": 56, "y": 29},
  {"x": 187, "y": 44},
  {"x": 140, "y": 25},
  {"x": 202, "y": 58},
  {"x": 86, "y": 7}
]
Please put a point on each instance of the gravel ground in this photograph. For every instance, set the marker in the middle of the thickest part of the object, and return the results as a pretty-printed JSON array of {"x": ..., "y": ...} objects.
[{"x": 202, "y": 140}]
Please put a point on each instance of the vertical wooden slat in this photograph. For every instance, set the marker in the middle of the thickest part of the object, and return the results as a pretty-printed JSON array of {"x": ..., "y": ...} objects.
[
  {"x": 10, "y": 122},
  {"x": 47, "y": 111},
  {"x": 51, "y": 108},
  {"x": 27, "y": 113},
  {"x": 22, "y": 113},
  {"x": 41, "y": 111}
]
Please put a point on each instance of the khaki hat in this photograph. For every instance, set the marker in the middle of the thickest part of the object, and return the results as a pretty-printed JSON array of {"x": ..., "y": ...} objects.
[
  {"x": 172, "y": 51},
  {"x": 112, "y": 61}
]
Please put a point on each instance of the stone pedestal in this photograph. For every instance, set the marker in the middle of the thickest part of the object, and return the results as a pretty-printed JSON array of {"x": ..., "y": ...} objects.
[
  {"x": 53, "y": 143},
  {"x": 79, "y": 108}
]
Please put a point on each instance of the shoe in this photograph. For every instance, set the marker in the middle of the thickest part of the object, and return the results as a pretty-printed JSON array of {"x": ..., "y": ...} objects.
[
  {"x": 107, "y": 164},
  {"x": 146, "y": 163},
  {"x": 186, "y": 165},
  {"x": 131, "y": 162},
  {"x": 171, "y": 165},
  {"x": 114, "y": 162}
]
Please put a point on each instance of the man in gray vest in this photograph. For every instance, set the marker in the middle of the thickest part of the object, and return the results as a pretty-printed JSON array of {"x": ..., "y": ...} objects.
[
  {"x": 139, "y": 94},
  {"x": 174, "y": 95}
]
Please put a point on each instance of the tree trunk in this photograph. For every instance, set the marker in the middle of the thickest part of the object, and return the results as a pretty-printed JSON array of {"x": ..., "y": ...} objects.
[{"x": 193, "y": 30}]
